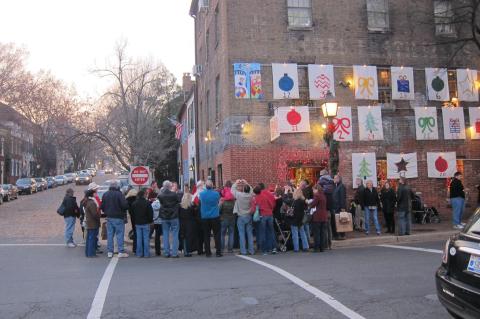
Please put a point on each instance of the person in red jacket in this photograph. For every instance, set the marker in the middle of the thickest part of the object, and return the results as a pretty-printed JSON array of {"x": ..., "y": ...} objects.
[
  {"x": 265, "y": 202},
  {"x": 319, "y": 219}
]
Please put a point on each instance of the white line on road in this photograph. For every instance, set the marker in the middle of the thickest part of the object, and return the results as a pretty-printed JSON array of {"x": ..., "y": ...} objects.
[
  {"x": 36, "y": 245},
  {"x": 314, "y": 291},
  {"x": 101, "y": 294},
  {"x": 427, "y": 250}
]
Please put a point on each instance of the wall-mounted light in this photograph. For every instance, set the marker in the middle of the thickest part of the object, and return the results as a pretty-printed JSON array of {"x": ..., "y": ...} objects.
[
  {"x": 345, "y": 84},
  {"x": 208, "y": 137},
  {"x": 330, "y": 107}
]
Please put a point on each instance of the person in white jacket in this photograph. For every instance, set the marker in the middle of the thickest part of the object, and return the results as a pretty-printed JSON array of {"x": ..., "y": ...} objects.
[
  {"x": 243, "y": 194},
  {"x": 157, "y": 226}
]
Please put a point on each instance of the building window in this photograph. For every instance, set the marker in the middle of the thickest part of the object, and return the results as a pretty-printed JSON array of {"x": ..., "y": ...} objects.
[
  {"x": 299, "y": 13},
  {"x": 220, "y": 175},
  {"x": 378, "y": 20},
  {"x": 207, "y": 106},
  {"x": 217, "y": 27},
  {"x": 443, "y": 13},
  {"x": 452, "y": 83},
  {"x": 207, "y": 45},
  {"x": 384, "y": 86},
  {"x": 191, "y": 119},
  {"x": 2, "y": 142},
  {"x": 217, "y": 99}
]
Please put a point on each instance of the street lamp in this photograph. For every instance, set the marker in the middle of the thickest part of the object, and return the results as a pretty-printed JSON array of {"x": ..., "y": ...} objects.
[{"x": 329, "y": 110}]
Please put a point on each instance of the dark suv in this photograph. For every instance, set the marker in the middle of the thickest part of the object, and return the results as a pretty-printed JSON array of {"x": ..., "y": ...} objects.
[{"x": 458, "y": 278}]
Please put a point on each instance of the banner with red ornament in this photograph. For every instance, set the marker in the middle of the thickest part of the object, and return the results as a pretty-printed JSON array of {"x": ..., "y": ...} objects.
[
  {"x": 320, "y": 81},
  {"x": 343, "y": 124},
  {"x": 441, "y": 165},
  {"x": 474, "y": 115},
  {"x": 293, "y": 119}
]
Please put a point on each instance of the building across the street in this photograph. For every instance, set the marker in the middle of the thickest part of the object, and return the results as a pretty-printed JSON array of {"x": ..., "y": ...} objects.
[{"x": 408, "y": 105}]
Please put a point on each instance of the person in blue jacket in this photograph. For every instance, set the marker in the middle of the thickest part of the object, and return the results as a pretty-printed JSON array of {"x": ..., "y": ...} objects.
[{"x": 210, "y": 215}]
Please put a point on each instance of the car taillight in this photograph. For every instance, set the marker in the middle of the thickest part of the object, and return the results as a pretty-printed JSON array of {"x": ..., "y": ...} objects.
[{"x": 446, "y": 252}]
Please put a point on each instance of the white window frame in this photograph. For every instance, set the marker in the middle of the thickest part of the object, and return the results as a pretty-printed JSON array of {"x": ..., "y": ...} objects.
[
  {"x": 295, "y": 9},
  {"x": 373, "y": 11},
  {"x": 443, "y": 17}
]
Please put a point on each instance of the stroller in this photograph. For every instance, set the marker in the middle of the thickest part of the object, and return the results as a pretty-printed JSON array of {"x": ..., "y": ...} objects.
[
  {"x": 283, "y": 233},
  {"x": 422, "y": 213}
]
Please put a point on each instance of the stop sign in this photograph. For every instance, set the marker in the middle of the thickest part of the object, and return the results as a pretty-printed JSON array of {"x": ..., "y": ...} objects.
[{"x": 140, "y": 175}]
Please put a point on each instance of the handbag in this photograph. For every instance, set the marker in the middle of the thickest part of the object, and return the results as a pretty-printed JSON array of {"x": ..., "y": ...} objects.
[
  {"x": 104, "y": 230},
  {"x": 256, "y": 215},
  {"x": 61, "y": 210},
  {"x": 307, "y": 218}
]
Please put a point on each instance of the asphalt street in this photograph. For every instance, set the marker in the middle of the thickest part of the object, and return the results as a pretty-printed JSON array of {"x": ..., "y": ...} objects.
[{"x": 41, "y": 278}]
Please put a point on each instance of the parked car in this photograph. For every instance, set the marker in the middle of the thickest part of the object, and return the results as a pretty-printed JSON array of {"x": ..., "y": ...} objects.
[
  {"x": 458, "y": 278},
  {"x": 3, "y": 195},
  {"x": 41, "y": 184},
  {"x": 11, "y": 190},
  {"x": 26, "y": 186},
  {"x": 83, "y": 179},
  {"x": 51, "y": 183},
  {"x": 71, "y": 177},
  {"x": 92, "y": 171},
  {"x": 61, "y": 179}
]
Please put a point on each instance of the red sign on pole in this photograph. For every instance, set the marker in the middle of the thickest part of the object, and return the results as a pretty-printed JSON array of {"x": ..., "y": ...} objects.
[{"x": 140, "y": 176}]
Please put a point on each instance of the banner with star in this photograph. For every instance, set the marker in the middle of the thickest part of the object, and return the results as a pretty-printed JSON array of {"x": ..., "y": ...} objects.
[
  {"x": 366, "y": 82},
  {"x": 437, "y": 84},
  {"x": 364, "y": 166},
  {"x": 426, "y": 123},
  {"x": 474, "y": 116},
  {"x": 370, "y": 123},
  {"x": 285, "y": 81},
  {"x": 320, "y": 81},
  {"x": 399, "y": 165},
  {"x": 467, "y": 89},
  {"x": 441, "y": 165},
  {"x": 343, "y": 124},
  {"x": 402, "y": 83},
  {"x": 453, "y": 123}
]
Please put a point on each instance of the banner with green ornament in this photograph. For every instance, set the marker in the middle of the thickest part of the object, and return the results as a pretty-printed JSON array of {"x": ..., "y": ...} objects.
[{"x": 437, "y": 84}]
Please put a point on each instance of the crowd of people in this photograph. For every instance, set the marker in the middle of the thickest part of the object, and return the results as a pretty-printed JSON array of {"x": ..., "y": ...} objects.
[{"x": 185, "y": 220}]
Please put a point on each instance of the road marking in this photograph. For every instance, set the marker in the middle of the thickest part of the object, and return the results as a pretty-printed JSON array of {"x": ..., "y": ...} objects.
[
  {"x": 36, "y": 245},
  {"x": 427, "y": 250},
  {"x": 332, "y": 302},
  {"x": 101, "y": 294}
]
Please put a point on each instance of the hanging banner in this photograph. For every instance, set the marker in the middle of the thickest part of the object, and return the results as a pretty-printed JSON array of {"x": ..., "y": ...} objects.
[
  {"x": 274, "y": 132},
  {"x": 467, "y": 89},
  {"x": 255, "y": 74},
  {"x": 474, "y": 116},
  {"x": 399, "y": 165},
  {"x": 426, "y": 123},
  {"x": 294, "y": 119},
  {"x": 370, "y": 123},
  {"x": 441, "y": 165},
  {"x": 248, "y": 80},
  {"x": 402, "y": 83},
  {"x": 364, "y": 166},
  {"x": 321, "y": 80},
  {"x": 285, "y": 81},
  {"x": 453, "y": 123},
  {"x": 437, "y": 84},
  {"x": 366, "y": 82},
  {"x": 343, "y": 124}
]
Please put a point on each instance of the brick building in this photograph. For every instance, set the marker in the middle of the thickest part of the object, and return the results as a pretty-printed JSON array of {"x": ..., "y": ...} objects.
[{"x": 234, "y": 134}]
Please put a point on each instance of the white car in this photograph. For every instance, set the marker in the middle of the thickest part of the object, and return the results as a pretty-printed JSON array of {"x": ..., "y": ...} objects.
[{"x": 61, "y": 179}]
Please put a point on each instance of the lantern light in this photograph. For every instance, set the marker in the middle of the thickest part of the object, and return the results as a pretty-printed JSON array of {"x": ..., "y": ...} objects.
[{"x": 329, "y": 108}]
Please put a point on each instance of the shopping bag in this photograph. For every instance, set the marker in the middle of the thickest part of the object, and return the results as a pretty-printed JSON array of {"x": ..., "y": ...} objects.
[{"x": 344, "y": 222}]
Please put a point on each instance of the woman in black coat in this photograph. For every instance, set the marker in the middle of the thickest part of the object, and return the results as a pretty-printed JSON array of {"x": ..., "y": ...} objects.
[
  {"x": 389, "y": 200},
  {"x": 296, "y": 220},
  {"x": 371, "y": 202}
]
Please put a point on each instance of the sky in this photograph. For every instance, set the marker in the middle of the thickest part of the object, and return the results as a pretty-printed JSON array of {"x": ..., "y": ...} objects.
[{"x": 72, "y": 37}]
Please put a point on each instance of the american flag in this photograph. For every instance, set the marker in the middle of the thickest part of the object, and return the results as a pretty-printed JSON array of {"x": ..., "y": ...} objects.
[{"x": 178, "y": 128}]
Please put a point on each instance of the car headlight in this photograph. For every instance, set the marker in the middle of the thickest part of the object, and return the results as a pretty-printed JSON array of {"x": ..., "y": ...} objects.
[
  {"x": 76, "y": 178},
  {"x": 446, "y": 252}
]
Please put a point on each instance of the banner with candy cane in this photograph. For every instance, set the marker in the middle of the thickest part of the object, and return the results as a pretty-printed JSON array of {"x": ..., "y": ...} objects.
[
  {"x": 366, "y": 82},
  {"x": 321, "y": 80},
  {"x": 426, "y": 123},
  {"x": 453, "y": 123},
  {"x": 343, "y": 124}
]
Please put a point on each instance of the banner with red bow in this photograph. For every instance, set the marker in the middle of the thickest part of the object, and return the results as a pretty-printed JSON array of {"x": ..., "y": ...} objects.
[{"x": 343, "y": 124}]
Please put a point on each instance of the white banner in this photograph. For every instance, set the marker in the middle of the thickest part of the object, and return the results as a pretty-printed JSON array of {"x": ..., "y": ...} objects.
[
  {"x": 402, "y": 83},
  {"x": 466, "y": 87},
  {"x": 402, "y": 165},
  {"x": 366, "y": 82},
  {"x": 437, "y": 84},
  {"x": 370, "y": 123},
  {"x": 364, "y": 166},
  {"x": 294, "y": 119},
  {"x": 426, "y": 123},
  {"x": 343, "y": 124},
  {"x": 321, "y": 80},
  {"x": 274, "y": 132},
  {"x": 474, "y": 115},
  {"x": 453, "y": 123},
  {"x": 441, "y": 165},
  {"x": 285, "y": 81}
]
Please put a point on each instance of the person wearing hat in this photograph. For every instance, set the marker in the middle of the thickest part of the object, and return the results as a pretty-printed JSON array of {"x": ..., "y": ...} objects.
[
  {"x": 92, "y": 220},
  {"x": 131, "y": 197}
]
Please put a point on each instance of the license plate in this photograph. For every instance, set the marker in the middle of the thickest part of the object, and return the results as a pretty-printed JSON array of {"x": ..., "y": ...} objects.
[{"x": 474, "y": 264}]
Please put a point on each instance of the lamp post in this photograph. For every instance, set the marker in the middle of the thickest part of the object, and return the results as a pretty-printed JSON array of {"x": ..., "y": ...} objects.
[{"x": 329, "y": 110}]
